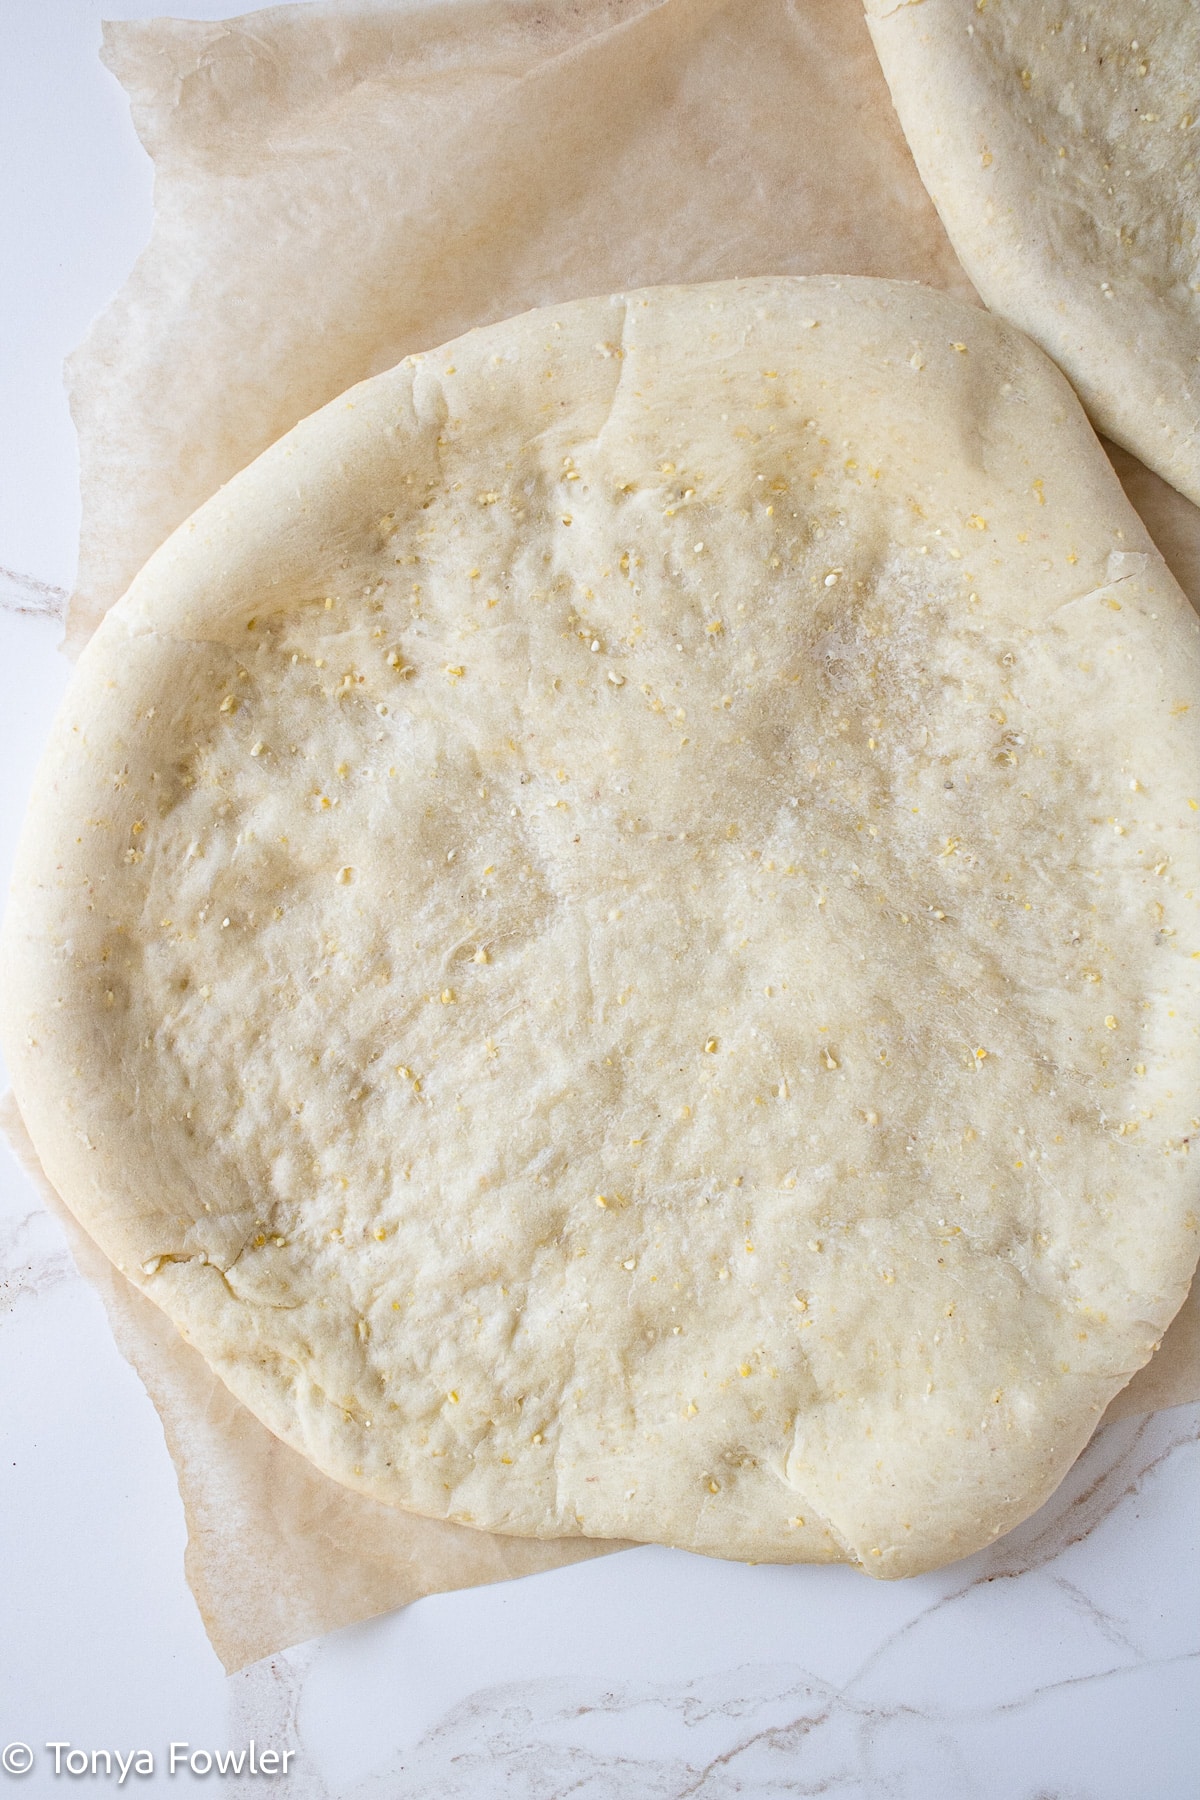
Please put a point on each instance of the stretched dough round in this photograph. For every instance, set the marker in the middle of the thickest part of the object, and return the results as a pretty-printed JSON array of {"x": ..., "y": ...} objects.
[
  {"x": 1059, "y": 147},
  {"x": 609, "y": 929}
]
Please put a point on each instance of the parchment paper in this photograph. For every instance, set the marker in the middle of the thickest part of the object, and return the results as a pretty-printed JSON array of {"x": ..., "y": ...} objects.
[
  {"x": 276, "y": 1552},
  {"x": 338, "y": 185}
]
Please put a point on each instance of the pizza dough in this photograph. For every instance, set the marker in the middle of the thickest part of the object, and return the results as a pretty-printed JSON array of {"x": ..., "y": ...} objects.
[
  {"x": 1060, "y": 148},
  {"x": 610, "y": 928}
]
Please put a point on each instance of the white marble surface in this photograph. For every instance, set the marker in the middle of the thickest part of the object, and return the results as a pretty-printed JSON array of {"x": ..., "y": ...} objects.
[{"x": 1063, "y": 1664}]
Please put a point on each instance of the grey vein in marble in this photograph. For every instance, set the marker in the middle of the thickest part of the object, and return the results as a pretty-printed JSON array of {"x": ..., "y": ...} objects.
[
  {"x": 759, "y": 1734},
  {"x": 26, "y": 594},
  {"x": 33, "y": 1258}
]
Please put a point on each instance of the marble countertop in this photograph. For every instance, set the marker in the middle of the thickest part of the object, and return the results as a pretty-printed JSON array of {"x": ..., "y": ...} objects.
[{"x": 1062, "y": 1664}]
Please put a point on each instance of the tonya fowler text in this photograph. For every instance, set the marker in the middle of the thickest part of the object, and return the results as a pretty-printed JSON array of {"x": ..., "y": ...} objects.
[{"x": 180, "y": 1759}]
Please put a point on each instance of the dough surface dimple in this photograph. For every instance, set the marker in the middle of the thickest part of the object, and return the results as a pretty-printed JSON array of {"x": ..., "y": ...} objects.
[{"x": 610, "y": 928}]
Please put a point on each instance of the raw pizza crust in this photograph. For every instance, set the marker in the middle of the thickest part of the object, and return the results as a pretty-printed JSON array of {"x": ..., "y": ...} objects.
[
  {"x": 609, "y": 928},
  {"x": 1059, "y": 145}
]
